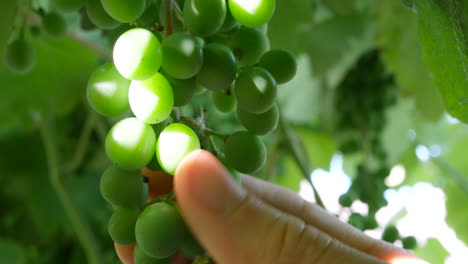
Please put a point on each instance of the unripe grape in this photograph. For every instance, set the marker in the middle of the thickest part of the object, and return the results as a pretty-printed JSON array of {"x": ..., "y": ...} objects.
[
  {"x": 390, "y": 234},
  {"x": 255, "y": 90},
  {"x": 151, "y": 14},
  {"x": 409, "y": 242},
  {"x": 35, "y": 31},
  {"x": 131, "y": 143},
  {"x": 189, "y": 246},
  {"x": 54, "y": 24},
  {"x": 121, "y": 226},
  {"x": 107, "y": 91},
  {"x": 245, "y": 152},
  {"x": 121, "y": 188},
  {"x": 159, "y": 230},
  {"x": 219, "y": 67},
  {"x": 204, "y": 17},
  {"x": 183, "y": 90},
  {"x": 183, "y": 56},
  {"x": 229, "y": 22},
  {"x": 20, "y": 56},
  {"x": 280, "y": 63},
  {"x": 99, "y": 16},
  {"x": 249, "y": 44},
  {"x": 174, "y": 143},
  {"x": 137, "y": 54},
  {"x": 151, "y": 100},
  {"x": 224, "y": 102},
  {"x": 140, "y": 257},
  {"x": 345, "y": 200},
  {"x": 67, "y": 5},
  {"x": 252, "y": 13},
  {"x": 357, "y": 220},
  {"x": 124, "y": 10},
  {"x": 260, "y": 124}
]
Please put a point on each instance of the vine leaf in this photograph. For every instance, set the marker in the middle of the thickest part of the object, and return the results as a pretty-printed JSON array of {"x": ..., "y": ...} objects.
[{"x": 445, "y": 50}]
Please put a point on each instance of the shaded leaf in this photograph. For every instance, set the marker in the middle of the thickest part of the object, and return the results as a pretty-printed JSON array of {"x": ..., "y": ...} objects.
[{"x": 445, "y": 51}]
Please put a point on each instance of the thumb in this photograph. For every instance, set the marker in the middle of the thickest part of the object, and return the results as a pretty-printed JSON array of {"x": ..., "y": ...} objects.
[{"x": 236, "y": 227}]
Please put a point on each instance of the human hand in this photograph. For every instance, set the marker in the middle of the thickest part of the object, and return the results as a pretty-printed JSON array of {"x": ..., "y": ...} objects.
[{"x": 259, "y": 222}]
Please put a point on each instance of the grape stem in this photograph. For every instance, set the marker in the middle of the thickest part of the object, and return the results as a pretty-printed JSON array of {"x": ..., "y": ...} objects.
[
  {"x": 296, "y": 148},
  {"x": 83, "y": 143},
  {"x": 201, "y": 127},
  {"x": 457, "y": 177},
  {"x": 169, "y": 20},
  {"x": 84, "y": 235}
]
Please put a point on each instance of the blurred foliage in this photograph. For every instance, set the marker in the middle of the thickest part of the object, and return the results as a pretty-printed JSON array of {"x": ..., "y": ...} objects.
[{"x": 423, "y": 44}]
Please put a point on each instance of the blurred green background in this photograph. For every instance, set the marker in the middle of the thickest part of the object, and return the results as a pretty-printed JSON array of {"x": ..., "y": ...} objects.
[{"x": 51, "y": 142}]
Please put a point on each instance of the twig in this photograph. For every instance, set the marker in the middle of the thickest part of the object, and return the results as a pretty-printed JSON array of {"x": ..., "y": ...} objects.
[
  {"x": 169, "y": 22},
  {"x": 302, "y": 162},
  {"x": 78, "y": 223},
  {"x": 83, "y": 143},
  {"x": 205, "y": 131},
  {"x": 453, "y": 173}
]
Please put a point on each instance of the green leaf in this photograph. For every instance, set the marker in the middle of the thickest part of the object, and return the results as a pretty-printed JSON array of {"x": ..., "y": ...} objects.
[
  {"x": 291, "y": 175},
  {"x": 445, "y": 51},
  {"x": 433, "y": 252},
  {"x": 289, "y": 20},
  {"x": 335, "y": 44},
  {"x": 401, "y": 52},
  {"x": 300, "y": 99},
  {"x": 11, "y": 252},
  {"x": 395, "y": 136},
  {"x": 320, "y": 147},
  {"x": 457, "y": 215},
  {"x": 58, "y": 81},
  {"x": 7, "y": 18}
]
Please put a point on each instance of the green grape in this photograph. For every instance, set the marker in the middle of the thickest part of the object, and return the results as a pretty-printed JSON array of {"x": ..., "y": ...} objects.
[
  {"x": 159, "y": 230},
  {"x": 409, "y": 242},
  {"x": 54, "y": 24},
  {"x": 175, "y": 142},
  {"x": 252, "y": 13},
  {"x": 137, "y": 54},
  {"x": 357, "y": 220},
  {"x": 183, "y": 90},
  {"x": 66, "y": 6},
  {"x": 204, "y": 17},
  {"x": 124, "y": 10},
  {"x": 121, "y": 226},
  {"x": 371, "y": 222},
  {"x": 121, "y": 188},
  {"x": 245, "y": 152},
  {"x": 390, "y": 234},
  {"x": 151, "y": 14},
  {"x": 99, "y": 16},
  {"x": 189, "y": 246},
  {"x": 140, "y": 257},
  {"x": 260, "y": 124},
  {"x": 280, "y": 63},
  {"x": 107, "y": 91},
  {"x": 131, "y": 143},
  {"x": 219, "y": 67},
  {"x": 229, "y": 22},
  {"x": 20, "y": 56},
  {"x": 183, "y": 56},
  {"x": 346, "y": 200},
  {"x": 255, "y": 90},
  {"x": 224, "y": 102},
  {"x": 249, "y": 44},
  {"x": 151, "y": 100}
]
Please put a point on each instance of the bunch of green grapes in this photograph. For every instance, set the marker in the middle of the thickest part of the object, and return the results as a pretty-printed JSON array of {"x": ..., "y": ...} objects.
[
  {"x": 361, "y": 101},
  {"x": 214, "y": 45},
  {"x": 20, "y": 53}
]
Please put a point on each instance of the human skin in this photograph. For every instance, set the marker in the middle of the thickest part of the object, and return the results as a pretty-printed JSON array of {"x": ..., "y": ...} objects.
[{"x": 259, "y": 222}]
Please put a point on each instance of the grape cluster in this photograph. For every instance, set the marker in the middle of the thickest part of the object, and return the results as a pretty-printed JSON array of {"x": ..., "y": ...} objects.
[
  {"x": 361, "y": 101},
  {"x": 176, "y": 49}
]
